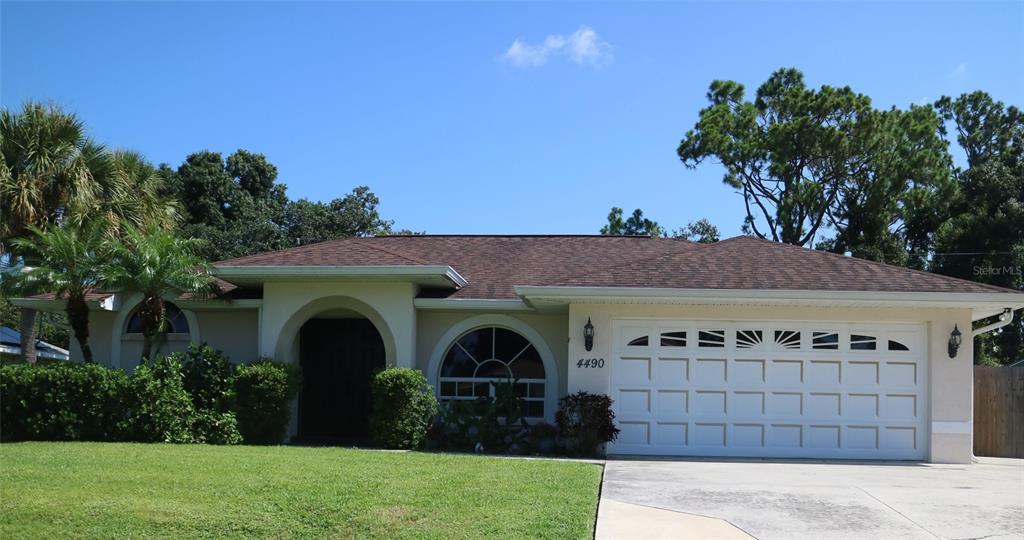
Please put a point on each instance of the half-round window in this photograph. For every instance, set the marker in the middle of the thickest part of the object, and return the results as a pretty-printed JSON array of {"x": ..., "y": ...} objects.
[
  {"x": 484, "y": 357},
  {"x": 176, "y": 321}
]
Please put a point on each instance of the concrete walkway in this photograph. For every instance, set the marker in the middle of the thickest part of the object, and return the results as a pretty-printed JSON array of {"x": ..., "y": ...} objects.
[
  {"x": 623, "y": 520},
  {"x": 813, "y": 500}
]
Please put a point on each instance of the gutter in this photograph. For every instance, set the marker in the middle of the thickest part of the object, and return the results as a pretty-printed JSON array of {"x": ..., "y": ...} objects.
[
  {"x": 393, "y": 271},
  {"x": 564, "y": 294},
  {"x": 474, "y": 304},
  {"x": 1005, "y": 318}
]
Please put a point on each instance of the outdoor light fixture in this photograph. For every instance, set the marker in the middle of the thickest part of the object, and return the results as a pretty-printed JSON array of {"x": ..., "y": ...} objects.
[
  {"x": 954, "y": 341},
  {"x": 588, "y": 335}
]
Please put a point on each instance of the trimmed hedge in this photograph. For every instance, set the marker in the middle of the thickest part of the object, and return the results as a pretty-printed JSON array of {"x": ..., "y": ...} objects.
[
  {"x": 160, "y": 408},
  {"x": 404, "y": 406},
  {"x": 263, "y": 393},
  {"x": 190, "y": 397},
  {"x": 62, "y": 402},
  {"x": 207, "y": 376}
]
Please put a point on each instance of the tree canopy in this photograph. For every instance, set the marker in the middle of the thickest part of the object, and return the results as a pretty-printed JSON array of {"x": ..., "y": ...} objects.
[
  {"x": 238, "y": 207},
  {"x": 809, "y": 162}
]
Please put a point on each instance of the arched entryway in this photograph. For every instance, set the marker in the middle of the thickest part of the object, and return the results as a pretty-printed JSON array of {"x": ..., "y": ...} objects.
[
  {"x": 339, "y": 354},
  {"x": 339, "y": 343}
]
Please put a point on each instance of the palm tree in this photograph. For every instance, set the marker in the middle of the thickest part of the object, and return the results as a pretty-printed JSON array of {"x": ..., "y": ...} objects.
[
  {"x": 156, "y": 264},
  {"x": 67, "y": 261},
  {"x": 134, "y": 198},
  {"x": 49, "y": 171}
]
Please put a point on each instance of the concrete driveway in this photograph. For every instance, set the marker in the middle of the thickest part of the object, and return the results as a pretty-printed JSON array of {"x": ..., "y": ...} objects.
[{"x": 815, "y": 500}]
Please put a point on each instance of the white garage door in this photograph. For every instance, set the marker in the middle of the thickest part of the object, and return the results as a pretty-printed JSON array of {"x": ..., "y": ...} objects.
[{"x": 707, "y": 388}]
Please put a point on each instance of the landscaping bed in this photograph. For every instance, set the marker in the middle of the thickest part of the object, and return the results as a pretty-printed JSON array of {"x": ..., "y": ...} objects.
[{"x": 107, "y": 490}]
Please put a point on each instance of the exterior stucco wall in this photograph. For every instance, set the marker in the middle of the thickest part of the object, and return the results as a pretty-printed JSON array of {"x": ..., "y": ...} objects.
[
  {"x": 100, "y": 323},
  {"x": 235, "y": 332},
  {"x": 950, "y": 381},
  {"x": 433, "y": 325},
  {"x": 288, "y": 305}
]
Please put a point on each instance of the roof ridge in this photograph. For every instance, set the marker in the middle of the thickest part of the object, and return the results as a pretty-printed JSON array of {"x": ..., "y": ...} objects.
[{"x": 869, "y": 262}]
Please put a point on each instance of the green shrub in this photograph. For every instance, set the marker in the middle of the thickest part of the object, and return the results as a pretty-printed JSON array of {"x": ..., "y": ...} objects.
[
  {"x": 207, "y": 377},
  {"x": 210, "y": 427},
  {"x": 585, "y": 422},
  {"x": 403, "y": 407},
  {"x": 263, "y": 393},
  {"x": 160, "y": 410},
  {"x": 65, "y": 401},
  {"x": 488, "y": 424}
]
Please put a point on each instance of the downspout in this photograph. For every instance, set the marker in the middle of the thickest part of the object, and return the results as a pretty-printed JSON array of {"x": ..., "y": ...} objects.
[{"x": 1005, "y": 318}]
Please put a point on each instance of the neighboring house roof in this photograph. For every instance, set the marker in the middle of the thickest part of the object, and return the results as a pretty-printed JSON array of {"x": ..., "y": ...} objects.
[
  {"x": 10, "y": 343},
  {"x": 494, "y": 265}
]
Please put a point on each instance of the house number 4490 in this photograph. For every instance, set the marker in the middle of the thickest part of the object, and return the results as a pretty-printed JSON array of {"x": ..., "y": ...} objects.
[{"x": 590, "y": 363}]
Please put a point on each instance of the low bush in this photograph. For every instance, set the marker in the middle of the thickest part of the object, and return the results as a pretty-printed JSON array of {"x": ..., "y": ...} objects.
[
  {"x": 62, "y": 402},
  {"x": 404, "y": 406},
  {"x": 207, "y": 377},
  {"x": 586, "y": 422},
  {"x": 263, "y": 392},
  {"x": 160, "y": 410},
  {"x": 494, "y": 424},
  {"x": 210, "y": 427},
  {"x": 542, "y": 438}
]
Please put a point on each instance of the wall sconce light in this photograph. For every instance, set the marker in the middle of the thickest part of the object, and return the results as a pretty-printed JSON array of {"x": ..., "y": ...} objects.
[
  {"x": 588, "y": 335},
  {"x": 954, "y": 341}
]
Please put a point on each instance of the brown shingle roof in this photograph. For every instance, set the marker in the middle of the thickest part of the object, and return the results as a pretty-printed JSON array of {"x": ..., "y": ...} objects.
[{"x": 493, "y": 265}]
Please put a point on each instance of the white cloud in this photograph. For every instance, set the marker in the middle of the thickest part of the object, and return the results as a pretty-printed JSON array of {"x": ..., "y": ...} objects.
[
  {"x": 958, "y": 71},
  {"x": 583, "y": 46}
]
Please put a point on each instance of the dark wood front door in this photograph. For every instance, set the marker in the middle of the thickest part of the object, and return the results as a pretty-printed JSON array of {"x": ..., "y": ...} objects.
[{"x": 339, "y": 358}]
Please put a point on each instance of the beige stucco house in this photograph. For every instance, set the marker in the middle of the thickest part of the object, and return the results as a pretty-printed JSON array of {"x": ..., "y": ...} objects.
[{"x": 738, "y": 348}]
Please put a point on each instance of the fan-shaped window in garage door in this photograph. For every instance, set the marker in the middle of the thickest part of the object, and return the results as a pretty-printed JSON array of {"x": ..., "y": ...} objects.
[{"x": 480, "y": 360}]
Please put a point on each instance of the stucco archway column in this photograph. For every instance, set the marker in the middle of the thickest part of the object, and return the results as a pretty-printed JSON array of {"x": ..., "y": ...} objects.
[{"x": 389, "y": 306}]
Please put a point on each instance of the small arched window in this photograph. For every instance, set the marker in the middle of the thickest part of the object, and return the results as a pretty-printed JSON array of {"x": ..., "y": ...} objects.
[
  {"x": 176, "y": 321},
  {"x": 487, "y": 356}
]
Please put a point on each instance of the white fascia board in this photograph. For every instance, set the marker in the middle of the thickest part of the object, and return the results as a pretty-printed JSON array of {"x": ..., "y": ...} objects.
[
  {"x": 219, "y": 303},
  {"x": 474, "y": 304},
  {"x": 400, "y": 272},
  {"x": 978, "y": 301},
  {"x": 46, "y": 304}
]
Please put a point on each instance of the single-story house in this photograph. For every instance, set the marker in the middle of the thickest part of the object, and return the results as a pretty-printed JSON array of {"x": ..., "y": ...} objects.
[
  {"x": 10, "y": 348},
  {"x": 739, "y": 348}
]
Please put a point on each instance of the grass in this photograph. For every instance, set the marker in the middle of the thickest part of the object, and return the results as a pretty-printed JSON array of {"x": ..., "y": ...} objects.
[{"x": 105, "y": 490}]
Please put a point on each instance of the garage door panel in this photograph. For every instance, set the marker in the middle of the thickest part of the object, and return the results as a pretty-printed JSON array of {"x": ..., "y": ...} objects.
[
  {"x": 862, "y": 437},
  {"x": 709, "y": 434},
  {"x": 792, "y": 390},
  {"x": 634, "y": 370},
  {"x": 861, "y": 373},
  {"x": 672, "y": 403},
  {"x": 671, "y": 434},
  {"x": 672, "y": 371},
  {"x": 711, "y": 371},
  {"x": 746, "y": 404},
  {"x": 747, "y": 372},
  {"x": 782, "y": 372},
  {"x": 635, "y": 402}
]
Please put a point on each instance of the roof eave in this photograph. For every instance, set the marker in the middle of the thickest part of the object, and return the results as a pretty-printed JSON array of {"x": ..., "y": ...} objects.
[
  {"x": 57, "y": 304},
  {"x": 427, "y": 274},
  {"x": 980, "y": 302}
]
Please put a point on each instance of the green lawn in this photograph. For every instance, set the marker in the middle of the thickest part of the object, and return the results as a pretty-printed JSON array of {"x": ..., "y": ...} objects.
[{"x": 103, "y": 490}]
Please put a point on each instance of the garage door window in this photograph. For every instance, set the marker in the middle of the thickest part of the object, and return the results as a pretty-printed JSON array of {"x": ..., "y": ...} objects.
[{"x": 479, "y": 360}]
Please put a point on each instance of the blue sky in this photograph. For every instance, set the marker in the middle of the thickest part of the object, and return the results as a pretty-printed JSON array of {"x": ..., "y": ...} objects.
[{"x": 455, "y": 124}]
